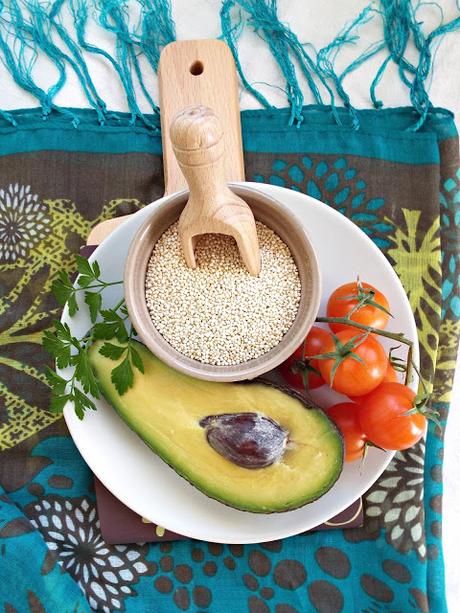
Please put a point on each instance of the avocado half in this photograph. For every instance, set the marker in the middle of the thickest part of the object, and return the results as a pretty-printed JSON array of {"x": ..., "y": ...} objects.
[{"x": 167, "y": 410}]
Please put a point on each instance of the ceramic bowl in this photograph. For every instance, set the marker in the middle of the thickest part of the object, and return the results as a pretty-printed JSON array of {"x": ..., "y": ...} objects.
[{"x": 273, "y": 214}]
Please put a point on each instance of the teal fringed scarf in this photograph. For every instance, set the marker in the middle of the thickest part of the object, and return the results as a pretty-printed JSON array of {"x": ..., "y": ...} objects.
[{"x": 394, "y": 172}]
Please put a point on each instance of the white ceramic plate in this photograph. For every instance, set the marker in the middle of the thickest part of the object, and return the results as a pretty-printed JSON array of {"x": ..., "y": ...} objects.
[{"x": 130, "y": 470}]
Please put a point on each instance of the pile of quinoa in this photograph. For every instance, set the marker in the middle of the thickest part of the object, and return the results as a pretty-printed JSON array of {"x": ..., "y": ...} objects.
[{"x": 218, "y": 313}]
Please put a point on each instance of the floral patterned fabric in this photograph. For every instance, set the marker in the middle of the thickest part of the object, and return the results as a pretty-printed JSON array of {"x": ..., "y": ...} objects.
[{"x": 56, "y": 183}]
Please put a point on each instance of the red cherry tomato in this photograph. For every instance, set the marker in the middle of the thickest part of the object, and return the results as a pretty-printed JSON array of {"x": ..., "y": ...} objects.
[
  {"x": 355, "y": 377},
  {"x": 347, "y": 296},
  {"x": 290, "y": 370},
  {"x": 383, "y": 420},
  {"x": 345, "y": 415},
  {"x": 391, "y": 376}
]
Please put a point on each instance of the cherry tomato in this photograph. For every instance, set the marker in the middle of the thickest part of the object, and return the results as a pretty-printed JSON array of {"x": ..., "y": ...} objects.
[
  {"x": 354, "y": 377},
  {"x": 383, "y": 421},
  {"x": 345, "y": 415},
  {"x": 391, "y": 376},
  {"x": 315, "y": 341},
  {"x": 348, "y": 296}
]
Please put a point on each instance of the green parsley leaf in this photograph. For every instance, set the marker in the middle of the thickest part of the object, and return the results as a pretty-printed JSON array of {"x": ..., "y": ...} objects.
[
  {"x": 104, "y": 330},
  {"x": 51, "y": 343},
  {"x": 56, "y": 382},
  {"x": 114, "y": 352},
  {"x": 64, "y": 292},
  {"x": 123, "y": 376},
  {"x": 136, "y": 359},
  {"x": 78, "y": 408},
  {"x": 84, "y": 280},
  {"x": 94, "y": 302},
  {"x": 58, "y": 348},
  {"x": 62, "y": 331},
  {"x": 58, "y": 403},
  {"x": 72, "y": 304},
  {"x": 62, "y": 287},
  {"x": 84, "y": 373},
  {"x": 112, "y": 326},
  {"x": 69, "y": 350},
  {"x": 96, "y": 269},
  {"x": 83, "y": 399},
  {"x": 83, "y": 266},
  {"x": 64, "y": 359}
]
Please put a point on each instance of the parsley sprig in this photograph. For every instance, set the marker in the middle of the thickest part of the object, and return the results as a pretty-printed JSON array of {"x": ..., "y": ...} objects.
[
  {"x": 89, "y": 278},
  {"x": 67, "y": 350},
  {"x": 113, "y": 326}
]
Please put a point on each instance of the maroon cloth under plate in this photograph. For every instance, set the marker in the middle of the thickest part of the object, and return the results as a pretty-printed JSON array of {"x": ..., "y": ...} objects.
[{"x": 120, "y": 525}]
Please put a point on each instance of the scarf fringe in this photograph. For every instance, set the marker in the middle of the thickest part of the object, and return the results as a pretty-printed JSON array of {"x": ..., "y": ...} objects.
[
  {"x": 30, "y": 29},
  {"x": 401, "y": 29}
]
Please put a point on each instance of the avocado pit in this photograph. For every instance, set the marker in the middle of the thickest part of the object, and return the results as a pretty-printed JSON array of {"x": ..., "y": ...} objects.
[{"x": 249, "y": 440}]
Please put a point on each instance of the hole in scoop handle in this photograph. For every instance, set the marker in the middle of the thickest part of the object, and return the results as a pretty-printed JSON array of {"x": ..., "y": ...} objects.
[{"x": 216, "y": 87}]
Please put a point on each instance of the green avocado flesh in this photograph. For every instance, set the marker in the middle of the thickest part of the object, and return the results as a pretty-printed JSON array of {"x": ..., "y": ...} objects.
[{"x": 165, "y": 407}]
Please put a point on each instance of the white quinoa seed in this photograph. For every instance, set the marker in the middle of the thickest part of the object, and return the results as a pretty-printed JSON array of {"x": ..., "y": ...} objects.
[{"x": 218, "y": 313}]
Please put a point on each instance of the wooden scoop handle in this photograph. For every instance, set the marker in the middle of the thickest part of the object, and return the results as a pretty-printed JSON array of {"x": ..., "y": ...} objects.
[
  {"x": 193, "y": 72},
  {"x": 198, "y": 143}
]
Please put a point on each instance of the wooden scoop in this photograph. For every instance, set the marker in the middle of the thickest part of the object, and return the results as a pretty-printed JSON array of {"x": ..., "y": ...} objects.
[
  {"x": 197, "y": 139},
  {"x": 193, "y": 72}
]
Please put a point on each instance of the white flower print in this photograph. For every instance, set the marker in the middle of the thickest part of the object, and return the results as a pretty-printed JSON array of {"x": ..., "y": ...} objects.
[
  {"x": 24, "y": 221},
  {"x": 105, "y": 573},
  {"x": 397, "y": 500}
]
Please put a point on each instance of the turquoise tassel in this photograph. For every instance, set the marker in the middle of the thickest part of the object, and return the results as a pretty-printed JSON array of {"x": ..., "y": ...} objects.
[
  {"x": 27, "y": 40},
  {"x": 401, "y": 26},
  {"x": 327, "y": 55},
  {"x": 79, "y": 10},
  {"x": 78, "y": 64},
  {"x": 282, "y": 42},
  {"x": 230, "y": 33},
  {"x": 27, "y": 28},
  {"x": 113, "y": 17},
  {"x": 157, "y": 29}
]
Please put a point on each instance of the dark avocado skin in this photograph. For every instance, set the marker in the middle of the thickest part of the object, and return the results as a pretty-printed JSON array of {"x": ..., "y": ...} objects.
[{"x": 306, "y": 403}]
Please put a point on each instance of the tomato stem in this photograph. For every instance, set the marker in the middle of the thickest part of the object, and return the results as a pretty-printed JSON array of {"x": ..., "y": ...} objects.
[
  {"x": 410, "y": 365},
  {"x": 397, "y": 363},
  {"x": 363, "y": 297},
  {"x": 422, "y": 406},
  {"x": 342, "y": 351},
  {"x": 396, "y": 336}
]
